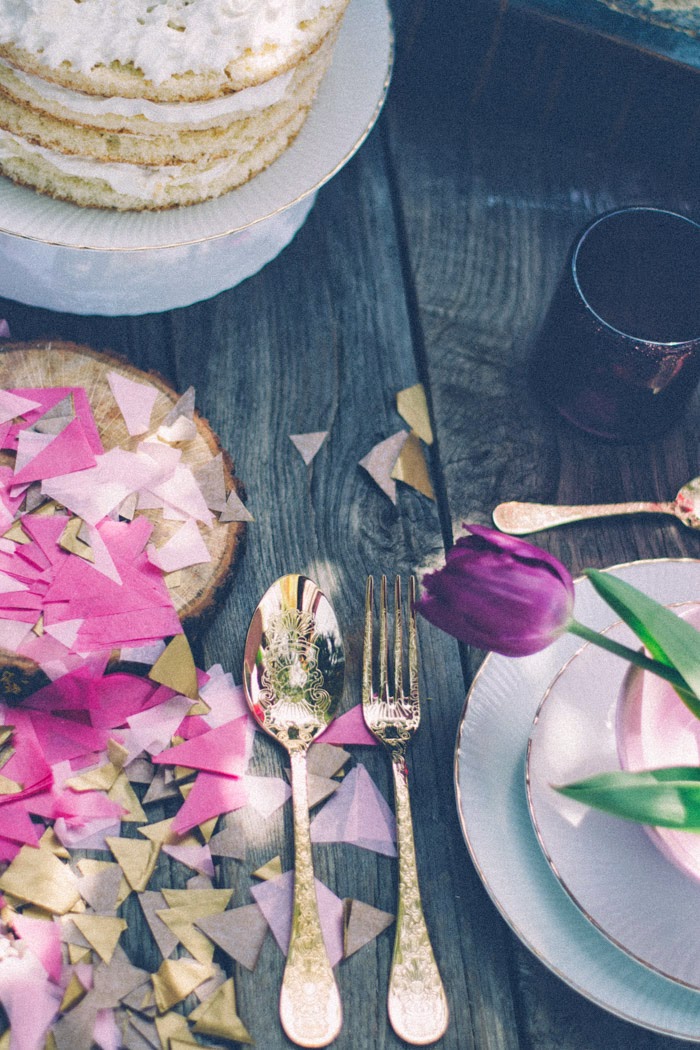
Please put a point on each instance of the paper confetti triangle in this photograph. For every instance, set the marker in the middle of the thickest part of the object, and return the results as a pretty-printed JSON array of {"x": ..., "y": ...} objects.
[
  {"x": 136, "y": 858},
  {"x": 113, "y": 982},
  {"x": 102, "y": 932},
  {"x": 152, "y": 901},
  {"x": 266, "y": 794},
  {"x": 185, "y": 547},
  {"x": 89, "y": 867},
  {"x": 101, "y": 889},
  {"x": 122, "y": 793},
  {"x": 275, "y": 899},
  {"x": 348, "y": 728},
  {"x": 412, "y": 469},
  {"x": 175, "y": 979},
  {"x": 218, "y": 1016},
  {"x": 308, "y": 444},
  {"x": 357, "y": 813},
  {"x": 222, "y": 750},
  {"x": 319, "y": 789},
  {"x": 326, "y": 760},
  {"x": 271, "y": 870},
  {"x": 180, "y": 921},
  {"x": 239, "y": 932},
  {"x": 73, "y": 994},
  {"x": 228, "y": 843},
  {"x": 379, "y": 462},
  {"x": 235, "y": 509},
  {"x": 162, "y": 831},
  {"x": 175, "y": 667},
  {"x": 40, "y": 877},
  {"x": 184, "y": 406},
  {"x": 12, "y": 405},
  {"x": 362, "y": 923},
  {"x": 173, "y": 1032},
  {"x": 211, "y": 478},
  {"x": 135, "y": 401},
  {"x": 412, "y": 406},
  {"x": 196, "y": 857}
]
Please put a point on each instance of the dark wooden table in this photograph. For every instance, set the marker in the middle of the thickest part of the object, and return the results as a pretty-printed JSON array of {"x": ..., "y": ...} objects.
[{"x": 431, "y": 257}]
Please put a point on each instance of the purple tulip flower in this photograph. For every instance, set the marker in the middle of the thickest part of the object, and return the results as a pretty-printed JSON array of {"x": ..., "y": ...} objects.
[{"x": 498, "y": 592}]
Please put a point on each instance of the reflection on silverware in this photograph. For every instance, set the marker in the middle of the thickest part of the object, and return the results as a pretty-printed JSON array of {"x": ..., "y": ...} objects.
[
  {"x": 293, "y": 672},
  {"x": 520, "y": 518},
  {"x": 416, "y": 1003}
]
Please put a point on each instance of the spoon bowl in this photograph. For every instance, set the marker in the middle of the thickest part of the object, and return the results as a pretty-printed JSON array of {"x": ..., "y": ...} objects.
[
  {"x": 519, "y": 519},
  {"x": 293, "y": 673}
]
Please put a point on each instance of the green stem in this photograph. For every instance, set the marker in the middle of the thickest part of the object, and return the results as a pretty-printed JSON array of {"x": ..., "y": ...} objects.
[{"x": 634, "y": 656}]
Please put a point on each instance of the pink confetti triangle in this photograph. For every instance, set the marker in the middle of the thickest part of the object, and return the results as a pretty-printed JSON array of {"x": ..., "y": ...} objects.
[
  {"x": 43, "y": 937},
  {"x": 68, "y": 452},
  {"x": 135, "y": 401},
  {"x": 222, "y": 750},
  {"x": 357, "y": 813},
  {"x": 274, "y": 897},
  {"x": 349, "y": 728},
  {"x": 12, "y": 406},
  {"x": 30, "y": 999},
  {"x": 196, "y": 857},
  {"x": 380, "y": 461},
  {"x": 211, "y": 796}
]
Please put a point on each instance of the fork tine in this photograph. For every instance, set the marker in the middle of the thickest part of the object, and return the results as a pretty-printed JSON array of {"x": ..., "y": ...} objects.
[
  {"x": 398, "y": 641},
  {"x": 412, "y": 641},
  {"x": 367, "y": 648},
  {"x": 383, "y": 690}
]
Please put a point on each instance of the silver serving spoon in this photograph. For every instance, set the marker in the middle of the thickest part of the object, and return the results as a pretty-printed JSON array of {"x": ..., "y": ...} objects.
[
  {"x": 293, "y": 671},
  {"x": 521, "y": 518}
]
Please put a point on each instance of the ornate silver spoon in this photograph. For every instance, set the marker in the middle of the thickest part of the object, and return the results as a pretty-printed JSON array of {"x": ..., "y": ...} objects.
[
  {"x": 293, "y": 671},
  {"x": 521, "y": 518}
]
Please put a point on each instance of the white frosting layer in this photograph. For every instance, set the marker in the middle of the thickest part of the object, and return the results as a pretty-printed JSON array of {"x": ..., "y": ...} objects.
[
  {"x": 238, "y": 104},
  {"x": 160, "y": 37},
  {"x": 146, "y": 182}
]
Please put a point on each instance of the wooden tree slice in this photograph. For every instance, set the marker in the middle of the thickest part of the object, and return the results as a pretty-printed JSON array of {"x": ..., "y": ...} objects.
[{"x": 194, "y": 590}]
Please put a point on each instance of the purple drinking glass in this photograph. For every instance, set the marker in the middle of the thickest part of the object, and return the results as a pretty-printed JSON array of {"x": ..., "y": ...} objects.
[{"x": 619, "y": 351}]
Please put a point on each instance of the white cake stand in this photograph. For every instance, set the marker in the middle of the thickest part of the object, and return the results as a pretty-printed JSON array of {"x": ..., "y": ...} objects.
[{"x": 92, "y": 261}]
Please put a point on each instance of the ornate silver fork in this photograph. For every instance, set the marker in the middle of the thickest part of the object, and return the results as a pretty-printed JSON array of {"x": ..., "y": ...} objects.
[{"x": 416, "y": 1004}]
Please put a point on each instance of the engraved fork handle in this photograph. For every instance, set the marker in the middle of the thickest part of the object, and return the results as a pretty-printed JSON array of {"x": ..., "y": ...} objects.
[
  {"x": 520, "y": 518},
  {"x": 417, "y": 1004},
  {"x": 310, "y": 1008}
]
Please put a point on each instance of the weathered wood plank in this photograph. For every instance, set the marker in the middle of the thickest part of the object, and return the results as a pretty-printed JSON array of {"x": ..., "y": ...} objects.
[{"x": 527, "y": 133}]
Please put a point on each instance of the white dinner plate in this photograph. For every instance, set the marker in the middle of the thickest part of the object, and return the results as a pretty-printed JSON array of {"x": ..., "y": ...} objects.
[
  {"x": 90, "y": 260},
  {"x": 492, "y": 804},
  {"x": 621, "y": 881}
]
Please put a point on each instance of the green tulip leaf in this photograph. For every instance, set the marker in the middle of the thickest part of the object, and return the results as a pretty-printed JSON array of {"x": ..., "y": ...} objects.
[
  {"x": 668, "y": 798},
  {"x": 670, "y": 639}
]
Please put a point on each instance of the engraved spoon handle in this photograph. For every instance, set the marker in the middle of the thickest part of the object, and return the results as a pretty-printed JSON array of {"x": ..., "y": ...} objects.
[
  {"x": 310, "y": 1008},
  {"x": 417, "y": 1004},
  {"x": 520, "y": 518}
]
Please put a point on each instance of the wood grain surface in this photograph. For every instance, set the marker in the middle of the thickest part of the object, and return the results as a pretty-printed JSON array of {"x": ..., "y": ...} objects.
[{"x": 430, "y": 257}]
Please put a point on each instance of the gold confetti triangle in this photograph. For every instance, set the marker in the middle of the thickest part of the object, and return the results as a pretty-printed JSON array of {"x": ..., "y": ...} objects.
[
  {"x": 207, "y": 829},
  {"x": 412, "y": 406},
  {"x": 102, "y": 931},
  {"x": 162, "y": 831},
  {"x": 74, "y": 992},
  {"x": 49, "y": 841},
  {"x": 172, "y": 1029},
  {"x": 175, "y": 979},
  {"x": 124, "y": 795},
  {"x": 271, "y": 870},
  {"x": 235, "y": 509},
  {"x": 69, "y": 541},
  {"x": 411, "y": 468},
  {"x": 200, "y": 900},
  {"x": 9, "y": 787},
  {"x": 218, "y": 1016},
  {"x": 16, "y": 533},
  {"x": 136, "y": 858},
  {"x": 117, "y": 753},
  {"x": 78, "y": 954},
  {"x": 175, "y": 668},
  {"x": 38, "y": 876},
  {"x": 180, "y": 922},
  {"x": 99, "y": 779}
]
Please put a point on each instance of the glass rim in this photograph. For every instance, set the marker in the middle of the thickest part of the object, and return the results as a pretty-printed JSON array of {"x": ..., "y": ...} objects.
[{"x": 627, "y": 210}]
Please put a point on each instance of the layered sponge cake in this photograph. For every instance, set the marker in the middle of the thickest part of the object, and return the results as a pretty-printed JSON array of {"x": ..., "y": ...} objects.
[{"x": 146, "y": 104}]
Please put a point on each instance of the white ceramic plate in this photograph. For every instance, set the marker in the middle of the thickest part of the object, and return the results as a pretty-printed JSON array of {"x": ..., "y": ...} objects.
[
  {"x": 610, "y": 867},
  {"x": 492, "y": 804},
  {"x": 88, "y": 260}
]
